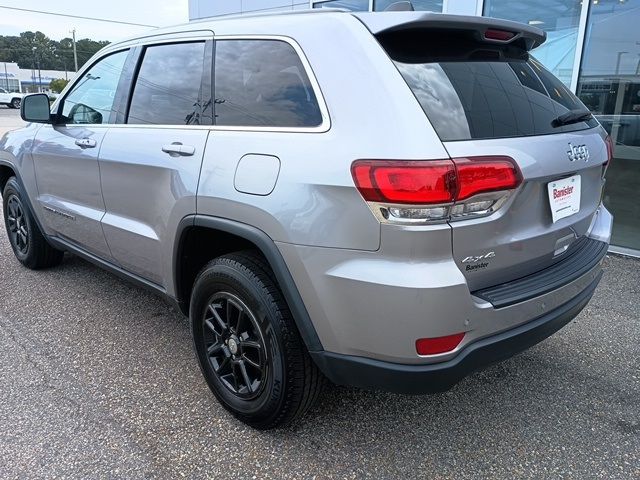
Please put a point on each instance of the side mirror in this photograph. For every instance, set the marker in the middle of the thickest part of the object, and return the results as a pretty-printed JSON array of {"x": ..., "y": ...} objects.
[{"x": 36, "y": 108}]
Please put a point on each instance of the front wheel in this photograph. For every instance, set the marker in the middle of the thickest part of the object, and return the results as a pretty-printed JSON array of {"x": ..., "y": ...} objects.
[
  {"x": 27, "y": 241},
  {"x": 247, "y": 344},
  {"x": 15, "y": 103}
]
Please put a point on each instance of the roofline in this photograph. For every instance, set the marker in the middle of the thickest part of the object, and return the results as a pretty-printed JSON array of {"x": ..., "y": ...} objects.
[{"x": 376, "y": 22}]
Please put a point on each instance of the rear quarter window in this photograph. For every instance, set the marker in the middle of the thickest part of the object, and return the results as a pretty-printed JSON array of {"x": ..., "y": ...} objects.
[{"x": 262, "y": 83}]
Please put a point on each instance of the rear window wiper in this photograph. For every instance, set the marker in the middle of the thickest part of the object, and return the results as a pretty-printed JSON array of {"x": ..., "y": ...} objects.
[{"x": 572, "y": 116}]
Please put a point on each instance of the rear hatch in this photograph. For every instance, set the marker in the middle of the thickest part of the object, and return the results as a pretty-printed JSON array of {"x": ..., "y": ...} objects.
[{"x": 486, "y": 96}]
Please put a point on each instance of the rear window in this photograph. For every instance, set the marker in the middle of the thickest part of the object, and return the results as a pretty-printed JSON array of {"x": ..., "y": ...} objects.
[{"x": 476, "y": 91}]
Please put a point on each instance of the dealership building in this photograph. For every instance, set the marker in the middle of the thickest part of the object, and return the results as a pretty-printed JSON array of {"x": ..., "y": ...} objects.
[{"x": 16, "y": 79}]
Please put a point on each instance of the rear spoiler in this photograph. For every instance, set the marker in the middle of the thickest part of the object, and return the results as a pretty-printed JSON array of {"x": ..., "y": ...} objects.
[{"x": 484, "y": 29}]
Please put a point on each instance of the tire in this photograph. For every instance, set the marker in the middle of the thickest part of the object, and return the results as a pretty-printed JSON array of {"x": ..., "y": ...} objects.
[
  {"x": 15, "y": 103},
  {"x": 287, "y": 382},
  {"x": 27, "y": 241}
]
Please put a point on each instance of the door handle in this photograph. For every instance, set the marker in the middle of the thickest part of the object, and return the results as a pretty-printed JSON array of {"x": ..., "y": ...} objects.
[
  {"x": 177, "y": 149},
  {"x": 86, "y": 142}
]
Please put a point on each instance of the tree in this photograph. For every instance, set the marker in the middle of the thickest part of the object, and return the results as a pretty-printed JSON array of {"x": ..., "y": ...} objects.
[
  {"x": 58, "y": 84},
  {"x": 33, "y": 49},
  {"x": 87, "y": 49},
  {"x": 64, "y": 54}
]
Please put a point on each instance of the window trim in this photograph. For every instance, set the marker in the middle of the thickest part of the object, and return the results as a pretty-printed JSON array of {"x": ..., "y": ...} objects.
[
  {"x": 324, "y": 126},
  {"x": 135, "y": 48},
  {"x": 58, "y": 105}
]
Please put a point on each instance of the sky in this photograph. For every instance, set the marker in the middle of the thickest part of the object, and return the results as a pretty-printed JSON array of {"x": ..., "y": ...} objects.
[{"x": 149, "y": 12}]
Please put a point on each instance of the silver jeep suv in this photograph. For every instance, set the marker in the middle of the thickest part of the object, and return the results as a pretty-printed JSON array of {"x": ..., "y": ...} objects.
[{"x": 387, "y": 200}]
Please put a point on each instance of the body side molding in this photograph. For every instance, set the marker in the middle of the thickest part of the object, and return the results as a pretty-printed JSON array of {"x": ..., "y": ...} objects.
[{"x": 66, "y": 245}]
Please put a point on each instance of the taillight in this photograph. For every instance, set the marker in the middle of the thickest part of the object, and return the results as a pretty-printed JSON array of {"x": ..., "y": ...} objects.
[
  {"x": 434, "y": 346},
  {"x": 485, "y": 174},
  {"x": 422, "y": 191},
  {"x": 406, "y": 182}
]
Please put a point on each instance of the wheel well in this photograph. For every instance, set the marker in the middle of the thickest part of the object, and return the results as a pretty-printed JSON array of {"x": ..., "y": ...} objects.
[
  {"x": 5, "y": 174},
  {"x": 198, "y": 246}
]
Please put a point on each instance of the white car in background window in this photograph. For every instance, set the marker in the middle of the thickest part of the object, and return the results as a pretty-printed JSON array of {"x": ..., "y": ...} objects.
[{"x": 10, "y": 99}]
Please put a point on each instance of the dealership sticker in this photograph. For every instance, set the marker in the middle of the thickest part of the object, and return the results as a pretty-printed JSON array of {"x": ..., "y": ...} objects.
[{"x": 564, "y": 197}]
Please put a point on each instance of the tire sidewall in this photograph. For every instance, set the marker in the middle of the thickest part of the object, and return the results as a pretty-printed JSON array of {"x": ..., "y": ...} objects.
[
  {"x": 13, "y": 189},
  {"x": 225, "y": 277},
  {"x": 16, "y": 102}
]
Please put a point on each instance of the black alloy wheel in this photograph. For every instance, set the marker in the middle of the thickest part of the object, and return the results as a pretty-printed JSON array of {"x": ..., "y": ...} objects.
[
  {"x": 235, "y": 347},
  {"x": 28, "y": 243},
  {"x": 17, "y": 223},
  {"x": 247, "y": 343}
]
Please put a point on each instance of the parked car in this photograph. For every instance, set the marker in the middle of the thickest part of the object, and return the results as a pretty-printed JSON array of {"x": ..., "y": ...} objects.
[
  {"x": 386, "y": 200},
  {"x": 10, "y": 99}
]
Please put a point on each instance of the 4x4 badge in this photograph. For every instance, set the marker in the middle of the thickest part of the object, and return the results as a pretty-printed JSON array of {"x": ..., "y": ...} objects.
[
  {"x": 477, "y": 258},
  {"x": 578, "y": 152}
]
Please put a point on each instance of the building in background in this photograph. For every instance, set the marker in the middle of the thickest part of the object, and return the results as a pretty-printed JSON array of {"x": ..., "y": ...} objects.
[
  {"x": 592, "y": 46},
  {"x": 8, "y": 78},
  {"x": 210, "y": 8},
  {"x": 16, "y": 79}
]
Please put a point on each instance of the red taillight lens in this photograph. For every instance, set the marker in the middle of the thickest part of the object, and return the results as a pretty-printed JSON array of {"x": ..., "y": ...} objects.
[
  {"x": 405, "y": 182},
  {"x": 485, "y": 174},
  {"x": 502, "y": 35},
  {"x": 433, "y": 182},
  {"x": 433, "y": 346},
  {"x": 609, "y": 143}
]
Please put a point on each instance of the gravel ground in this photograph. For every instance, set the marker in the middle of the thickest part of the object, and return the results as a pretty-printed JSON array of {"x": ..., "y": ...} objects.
[{"x": 98, "y": 380}]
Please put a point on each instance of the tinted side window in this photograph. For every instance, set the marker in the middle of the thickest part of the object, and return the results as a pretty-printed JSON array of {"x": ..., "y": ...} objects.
[
  {"x": 167, "y": 89},
  {"x": 91, "y": 101},
  {"x": 262, "y": 83}
]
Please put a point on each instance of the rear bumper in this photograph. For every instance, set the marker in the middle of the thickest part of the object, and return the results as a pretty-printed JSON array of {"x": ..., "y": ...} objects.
[
  {"x": 581, "y": 258},
  {"x": 419, "y": 379},
  {"x": 376, "y": 304}
]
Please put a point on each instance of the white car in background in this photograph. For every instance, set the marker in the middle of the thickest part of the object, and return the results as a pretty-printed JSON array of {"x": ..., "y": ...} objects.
[{"x": 10, "y": 99}]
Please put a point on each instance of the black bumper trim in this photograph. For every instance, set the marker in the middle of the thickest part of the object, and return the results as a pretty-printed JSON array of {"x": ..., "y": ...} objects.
[
  {"x": 419, "y": 379},
  {"x": 581, "y": 257}
]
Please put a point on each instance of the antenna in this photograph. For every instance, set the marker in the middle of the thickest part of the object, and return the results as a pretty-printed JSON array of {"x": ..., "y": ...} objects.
[{"x": 404, "y": 6}]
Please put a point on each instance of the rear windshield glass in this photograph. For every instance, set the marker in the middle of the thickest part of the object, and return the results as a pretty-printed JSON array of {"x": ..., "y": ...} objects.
[{"x": 474, "y": 91}]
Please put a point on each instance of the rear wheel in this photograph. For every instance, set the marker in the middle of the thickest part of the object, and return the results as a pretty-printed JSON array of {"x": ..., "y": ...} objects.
[
  {"x": 247, "y": 344},
  {"x": 15, "y": 103},
  {"x": 27, "y": 241}
]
